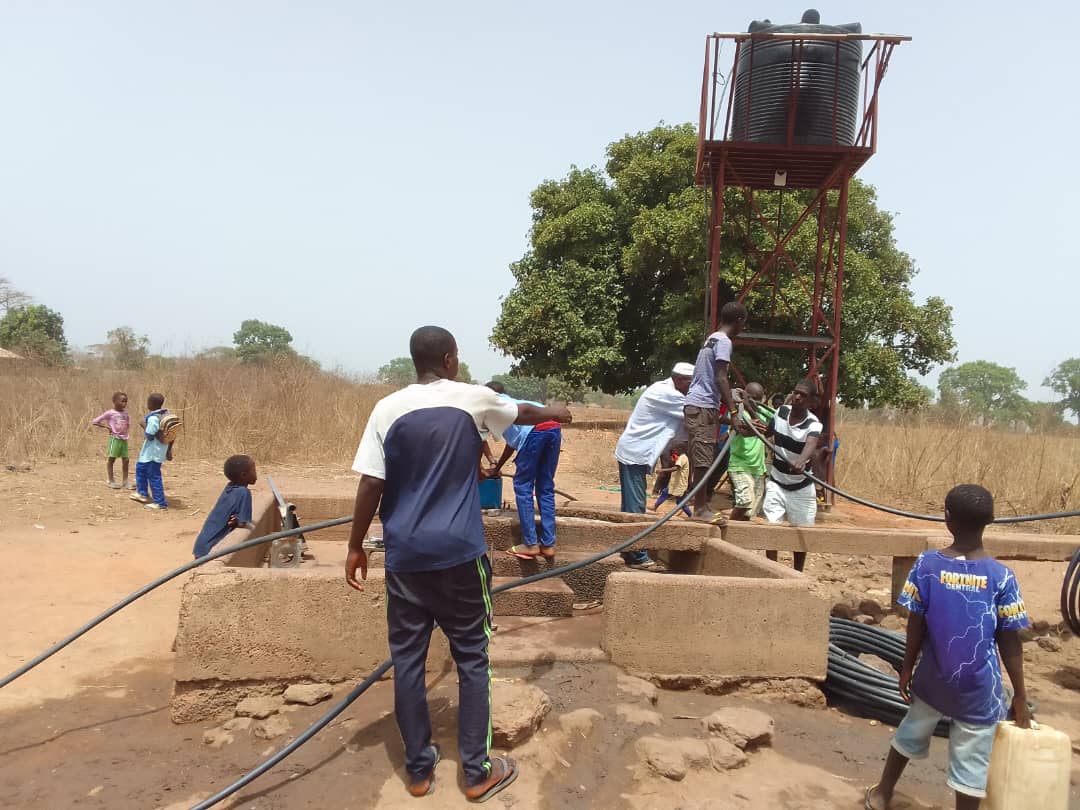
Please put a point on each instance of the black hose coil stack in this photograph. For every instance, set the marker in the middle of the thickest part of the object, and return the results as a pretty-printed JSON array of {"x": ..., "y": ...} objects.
[
  {"x": 1070, "y": 594},
  {"x": 874, "y": 693}
]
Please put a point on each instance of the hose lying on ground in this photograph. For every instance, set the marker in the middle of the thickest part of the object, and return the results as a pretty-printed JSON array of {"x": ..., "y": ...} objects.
[
  {"x": 914, "y": 515},
  {"x": 145, "y": 589},
  {"x": 872, "y": 692},
  {"x": 385, "y": 666}
]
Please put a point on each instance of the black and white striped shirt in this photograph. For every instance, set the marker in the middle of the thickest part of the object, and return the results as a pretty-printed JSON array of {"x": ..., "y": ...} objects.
[{"x": 790, "y": 441}]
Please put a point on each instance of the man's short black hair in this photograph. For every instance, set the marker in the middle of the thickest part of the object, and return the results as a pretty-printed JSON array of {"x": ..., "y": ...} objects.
[
  {"x": 970, "y": 506},
  {"x": 732, "y": 312},
  {"x": 155, "y": 401},
  {"x": 429, "y": 345},
  {"x": 235, "y": 466},
  {"x": 496, "y": 386},
  {"x": 809, "y": 386}
]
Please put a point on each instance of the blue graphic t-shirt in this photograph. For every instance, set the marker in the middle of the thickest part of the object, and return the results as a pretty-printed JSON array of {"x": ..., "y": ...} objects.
[{"x": 965, "y": 602}]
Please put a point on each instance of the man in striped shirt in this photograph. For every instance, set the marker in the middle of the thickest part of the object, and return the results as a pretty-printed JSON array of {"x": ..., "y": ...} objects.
[{"x": 796, "y": 432}]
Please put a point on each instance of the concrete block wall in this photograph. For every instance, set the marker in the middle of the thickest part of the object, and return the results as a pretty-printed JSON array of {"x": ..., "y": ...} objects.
[
  {"x": 242, "y": 631},
  {"x": 716, "y": 627},
  {"x": 267, "y": 520}
]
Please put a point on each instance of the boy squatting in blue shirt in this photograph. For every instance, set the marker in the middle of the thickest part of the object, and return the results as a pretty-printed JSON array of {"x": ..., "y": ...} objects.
[
  {"x": 233, "y": 507},
  {"x": 965, "y": 606}
]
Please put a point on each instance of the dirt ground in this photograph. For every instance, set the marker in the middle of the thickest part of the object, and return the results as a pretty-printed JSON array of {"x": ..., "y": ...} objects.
[{"x": 90, "y": 727}]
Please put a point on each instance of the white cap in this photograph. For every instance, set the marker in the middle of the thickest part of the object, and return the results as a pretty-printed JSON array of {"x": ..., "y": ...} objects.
[{"x": 683, "y": 369}]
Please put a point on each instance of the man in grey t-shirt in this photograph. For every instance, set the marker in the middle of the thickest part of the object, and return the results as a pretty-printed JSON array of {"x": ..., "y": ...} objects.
[{"x": 709, "y": 389}]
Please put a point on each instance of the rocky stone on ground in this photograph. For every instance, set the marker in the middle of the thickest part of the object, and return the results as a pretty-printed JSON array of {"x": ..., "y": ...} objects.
[
  {"x": 664, "y": 757},
  {"x": 216, "y": 737},
  {"x": 580, "y": 722},
  {"x": 259, "y": 707},
  {"x": 842, "y": 610},
  {"x": 271, "y": 727},
  {"x": 638, "y": 715},
  {"x": 237, "y": 724},
  {"x": 871, "y": 607},
  {"x": 741, "y": 727},
  {"x": 519, "y": 708},
  {"x": 795, "y": 691},
  {"x": 865, "y": 618},
  {"x": 638, "y": 688},
  {"x": 724, "y": 756},
  {"x": 894, "y": 623},
  {"x": 1049, "y": 643},
  {"x": 695, "y": 752},
  {"x": 308, "y": 694}
]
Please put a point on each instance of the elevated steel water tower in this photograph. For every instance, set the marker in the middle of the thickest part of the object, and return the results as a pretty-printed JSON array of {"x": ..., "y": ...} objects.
[{"x": 797, "y": 110}]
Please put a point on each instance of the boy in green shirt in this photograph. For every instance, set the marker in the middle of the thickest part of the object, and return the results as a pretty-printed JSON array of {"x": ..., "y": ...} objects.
[{"x": 746, "y": 467}]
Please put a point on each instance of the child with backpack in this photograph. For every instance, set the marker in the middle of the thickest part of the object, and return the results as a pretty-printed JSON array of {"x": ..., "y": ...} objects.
[{"x": 159, "y": 435}]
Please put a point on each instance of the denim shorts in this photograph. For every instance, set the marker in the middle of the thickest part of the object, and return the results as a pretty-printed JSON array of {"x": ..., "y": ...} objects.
[{"x": 969, "y": 746}]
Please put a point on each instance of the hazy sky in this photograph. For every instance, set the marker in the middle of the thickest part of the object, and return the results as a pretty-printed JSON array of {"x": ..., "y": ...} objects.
[{"x": 352, "y": 172}]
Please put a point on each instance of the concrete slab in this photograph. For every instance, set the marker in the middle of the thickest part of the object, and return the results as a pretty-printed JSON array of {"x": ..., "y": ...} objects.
[
  {"x": 678, "y": 625},
  {"x": 581, "y": 534},
  {"x": 549, "y": 597},
  {"x": 826, "y": 539},
  {"x": 587, "y": 583},
  {"x": 531, "y": 641}
]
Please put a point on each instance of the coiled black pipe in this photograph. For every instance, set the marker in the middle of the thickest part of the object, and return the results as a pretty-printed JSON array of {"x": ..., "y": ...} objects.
[
  {"x": 385, "y": 666},
  {"x": 1070, "y": 594},
  {"x": 873, "y": 692}
]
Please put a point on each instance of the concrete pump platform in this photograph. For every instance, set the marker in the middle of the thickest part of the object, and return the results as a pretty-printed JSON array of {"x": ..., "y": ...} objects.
[{"x": 724, "y": 612}]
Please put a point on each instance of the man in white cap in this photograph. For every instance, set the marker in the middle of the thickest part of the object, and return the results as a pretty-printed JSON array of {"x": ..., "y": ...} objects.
[{"x": 656, "y": 420}]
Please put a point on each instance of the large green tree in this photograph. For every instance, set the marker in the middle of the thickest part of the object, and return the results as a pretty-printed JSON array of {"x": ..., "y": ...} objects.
[
  {"x": 35, "y": 332},
  {"x": 1065, "y": 382},
  {"x": 610, "y": 292},
  {"x": 985, "y": 390},
  {"x": 257, "y": 341},
  {"x": 126, "y": 349}
]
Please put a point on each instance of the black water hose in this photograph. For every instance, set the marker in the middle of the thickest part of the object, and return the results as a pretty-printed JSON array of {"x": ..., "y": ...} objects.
[
  {"x": 145, "y": 589},
  {"x": 1070, "y": 594},
  {"x": 385, "y": 666},
  {"x": 872, "y": 692},
  {"x": 914, "y": 515}
]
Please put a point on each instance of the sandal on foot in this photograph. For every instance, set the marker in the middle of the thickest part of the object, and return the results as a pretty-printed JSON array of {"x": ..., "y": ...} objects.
[
  {"x": 867, "y": 804},
  {"x": 495, "y": 783},
  {"x": 521, "y": 555},
  {"x": 426, "y": 785},
  {"x": 547, "y": 552}
]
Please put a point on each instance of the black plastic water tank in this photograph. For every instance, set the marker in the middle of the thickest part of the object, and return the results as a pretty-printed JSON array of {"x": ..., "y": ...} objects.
[{"x": 825, "y": 76}]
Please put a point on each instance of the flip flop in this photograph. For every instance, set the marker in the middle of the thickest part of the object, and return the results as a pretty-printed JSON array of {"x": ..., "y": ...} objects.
[
  {"x": 510, "y": 773},
  {"x": 866, "y": 799},
  {"x": 519, "y": 554},
  {"x": 431, "y": 776},
  {"x": 547, "y": 553}
]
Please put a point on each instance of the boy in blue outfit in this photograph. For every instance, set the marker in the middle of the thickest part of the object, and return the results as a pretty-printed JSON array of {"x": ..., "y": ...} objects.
[
  {"x": 154, "y": 453},
  {"x": 233, "y": 507},
  {"x": 965, "y": 607}
]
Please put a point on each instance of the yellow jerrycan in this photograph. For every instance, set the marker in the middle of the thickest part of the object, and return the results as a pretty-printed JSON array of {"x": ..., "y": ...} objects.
[{"x": 1029, "y": 768}]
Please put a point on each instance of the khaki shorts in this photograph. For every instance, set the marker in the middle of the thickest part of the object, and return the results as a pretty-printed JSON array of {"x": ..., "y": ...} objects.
[
  {"x": 749, "y": 491},
  {"x": 703, "y": 425}
]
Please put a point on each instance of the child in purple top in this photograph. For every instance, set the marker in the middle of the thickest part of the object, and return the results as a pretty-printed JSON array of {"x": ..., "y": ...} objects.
[
  {"x": 965, "y": 607},
  {"x": 117, "y": 421}
]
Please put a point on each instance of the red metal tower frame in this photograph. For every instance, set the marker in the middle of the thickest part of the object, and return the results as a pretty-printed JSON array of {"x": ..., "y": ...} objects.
[{"x": 755, "y": 168}]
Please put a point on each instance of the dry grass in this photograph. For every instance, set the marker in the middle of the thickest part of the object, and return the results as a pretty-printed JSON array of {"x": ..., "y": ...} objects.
[
  {"x": 294, "y": 413},
  {"x": 283, "y": 412}
]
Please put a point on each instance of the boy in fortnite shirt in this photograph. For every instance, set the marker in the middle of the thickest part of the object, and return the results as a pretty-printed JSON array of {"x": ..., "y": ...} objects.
[{"x": 965, "y": 606}]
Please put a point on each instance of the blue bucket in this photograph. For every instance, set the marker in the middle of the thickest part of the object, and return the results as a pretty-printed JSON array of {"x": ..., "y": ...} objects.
[{"x": 491, "y": 493}]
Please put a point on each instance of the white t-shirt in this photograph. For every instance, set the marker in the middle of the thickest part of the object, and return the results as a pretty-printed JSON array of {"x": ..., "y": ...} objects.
[
  {"x": 656, "y": 419},
  {"x": 424, "y": 443}
]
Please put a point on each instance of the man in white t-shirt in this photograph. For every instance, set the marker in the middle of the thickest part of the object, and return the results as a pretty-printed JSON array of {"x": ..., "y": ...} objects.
[
  {"x": 709, "y": 391},
  {"x": 657, "y": 419},
  {"x": 796, "y": 433},
  {"x": 419, "y": 461}
]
